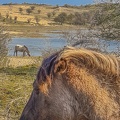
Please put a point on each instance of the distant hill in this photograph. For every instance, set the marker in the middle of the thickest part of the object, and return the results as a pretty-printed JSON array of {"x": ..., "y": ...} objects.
[
  {"x": 20, "y": 18},
  {"x": 41, "y": 14}
]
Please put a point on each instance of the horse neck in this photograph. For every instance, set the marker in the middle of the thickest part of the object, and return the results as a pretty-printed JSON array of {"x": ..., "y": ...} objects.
[{"x": 26, "y": 50}]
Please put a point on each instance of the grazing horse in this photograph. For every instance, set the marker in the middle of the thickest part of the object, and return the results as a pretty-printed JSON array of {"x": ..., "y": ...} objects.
[
  {"x": 21, "y": 48},
  {"x": 76, "y": 84}
]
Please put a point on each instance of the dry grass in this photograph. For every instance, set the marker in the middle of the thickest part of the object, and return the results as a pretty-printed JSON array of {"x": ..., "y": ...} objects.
[
  {"x": 13, "y": 10},
  {"x": 23, "y": 61},
  {"x": 16, "y": 85},
  {"x": 24, "y": 29}
]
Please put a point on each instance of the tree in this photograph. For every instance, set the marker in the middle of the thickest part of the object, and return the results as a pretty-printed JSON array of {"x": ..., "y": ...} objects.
[
  {"x": 107, "y": 21},
  {"x": 28, "y": 10},
  {"x": 21, "y": 10},
  {"x": 70, "y": 18},
  {"x": 32, "y": 7},
  {"x": 79, "y": 19},
  {"x": 61, "y": 18}
]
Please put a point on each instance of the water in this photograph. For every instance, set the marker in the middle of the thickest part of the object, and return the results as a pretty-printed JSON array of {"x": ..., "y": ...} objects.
[
  {"x": 110, "y": 46},
  {"x": 36, "y": 45}
]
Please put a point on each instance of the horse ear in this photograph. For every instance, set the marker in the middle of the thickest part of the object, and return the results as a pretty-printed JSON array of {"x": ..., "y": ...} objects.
[{"x": 60, "y": 66}]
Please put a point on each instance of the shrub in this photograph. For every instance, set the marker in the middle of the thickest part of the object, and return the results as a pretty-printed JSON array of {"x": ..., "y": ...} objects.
[
  {"x": 28, "y": 10},
  {"x": 61, "y": 18}
]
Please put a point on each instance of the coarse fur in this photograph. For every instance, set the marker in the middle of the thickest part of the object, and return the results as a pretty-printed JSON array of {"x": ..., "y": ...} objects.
[
  {"x": 21, "y": 48},
  {"x": 76, "y": 84}
]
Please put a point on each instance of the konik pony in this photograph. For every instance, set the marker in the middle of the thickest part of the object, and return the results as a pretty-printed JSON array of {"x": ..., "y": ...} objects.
[
  {"x": 21, "y": 48},
  {"x": 76, "y": 84}
]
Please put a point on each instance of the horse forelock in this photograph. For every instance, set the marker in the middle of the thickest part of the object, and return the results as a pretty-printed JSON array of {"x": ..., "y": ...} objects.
[
  {"x": 46, "y": 67},
  {"x": 92, "y": 60}
]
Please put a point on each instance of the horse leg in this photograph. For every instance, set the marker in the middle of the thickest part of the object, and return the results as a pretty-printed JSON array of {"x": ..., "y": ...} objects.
[{"x": 15, "y": 53}]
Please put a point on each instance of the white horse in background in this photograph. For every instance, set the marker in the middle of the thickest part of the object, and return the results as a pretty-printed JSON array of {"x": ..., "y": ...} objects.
[{"x": 21, "y": 48}]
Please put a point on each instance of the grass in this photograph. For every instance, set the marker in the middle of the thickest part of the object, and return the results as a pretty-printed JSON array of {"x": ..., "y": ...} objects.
[
  {"x": 35, "y": 31},
  {"x": 15, "y": 89}
]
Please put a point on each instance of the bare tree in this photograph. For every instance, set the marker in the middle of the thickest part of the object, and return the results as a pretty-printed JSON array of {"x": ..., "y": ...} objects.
[
  {"x": 105, "y": 24},
  {"x": 4, "y": 38}
]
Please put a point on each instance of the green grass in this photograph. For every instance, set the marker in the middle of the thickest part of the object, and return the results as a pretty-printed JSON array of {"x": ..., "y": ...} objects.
[{"x": 15, "y": 90}]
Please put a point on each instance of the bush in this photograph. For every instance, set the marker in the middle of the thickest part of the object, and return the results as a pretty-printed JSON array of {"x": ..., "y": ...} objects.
[
  {"x": 28, "y": 10},
  {"x": 61, "y": 18}
]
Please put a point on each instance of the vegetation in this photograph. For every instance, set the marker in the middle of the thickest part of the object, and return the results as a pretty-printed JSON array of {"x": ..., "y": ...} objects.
[
  {"x": 29, "y": 10},
  {"x": 61, "y": 18},
  {"x": 4, "y": 38},
  {"x": 103, "y": 18},
  {"x": 15, "y": 89},
  {"x": 107, "y": 21}
]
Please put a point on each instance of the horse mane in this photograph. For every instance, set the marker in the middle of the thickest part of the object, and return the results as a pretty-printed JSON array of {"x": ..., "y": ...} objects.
[{"x": 91, "y": 59}]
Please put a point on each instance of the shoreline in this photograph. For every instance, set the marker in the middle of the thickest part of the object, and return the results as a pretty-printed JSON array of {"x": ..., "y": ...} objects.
[{"x": 37, "y": 31}]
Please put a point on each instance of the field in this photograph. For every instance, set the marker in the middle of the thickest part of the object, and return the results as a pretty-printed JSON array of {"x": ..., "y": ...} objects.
[
  {"x": 23, "y": 61},
  {"x": 16, "y": 85}
]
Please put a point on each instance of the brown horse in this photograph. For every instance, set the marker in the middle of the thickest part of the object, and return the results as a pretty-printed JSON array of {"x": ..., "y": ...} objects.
[
  {"x": 76, "y": 84},
  {"x": 21, "y": 48}
]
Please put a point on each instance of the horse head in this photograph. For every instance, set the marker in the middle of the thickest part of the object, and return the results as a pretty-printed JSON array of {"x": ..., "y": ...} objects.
[{"x": 75, "y": 84}]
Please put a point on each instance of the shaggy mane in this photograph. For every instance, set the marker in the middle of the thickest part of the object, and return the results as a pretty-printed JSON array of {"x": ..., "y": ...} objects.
[{"x": 92, "y": 60}]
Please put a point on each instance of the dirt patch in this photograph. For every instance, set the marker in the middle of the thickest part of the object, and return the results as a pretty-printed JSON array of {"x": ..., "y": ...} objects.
[{"x": 23, "y": 61}]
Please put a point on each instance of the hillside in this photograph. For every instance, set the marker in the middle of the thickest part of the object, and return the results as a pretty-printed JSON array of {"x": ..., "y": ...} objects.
[
  {"x": 26, "y": 13},
  {"x": 33, "y": 20}
]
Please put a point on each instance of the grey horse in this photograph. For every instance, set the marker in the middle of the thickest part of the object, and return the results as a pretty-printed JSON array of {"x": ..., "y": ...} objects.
[{"x": 21, "y": 48}]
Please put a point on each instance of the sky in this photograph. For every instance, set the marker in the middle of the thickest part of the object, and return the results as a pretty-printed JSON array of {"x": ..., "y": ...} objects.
[{"x": 51, "y": 2}]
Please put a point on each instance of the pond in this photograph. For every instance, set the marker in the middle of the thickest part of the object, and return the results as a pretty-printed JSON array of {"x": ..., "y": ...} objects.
[{"x": 36, "y": 45}]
